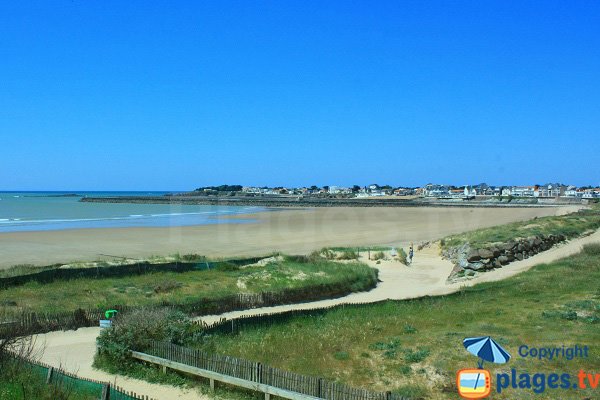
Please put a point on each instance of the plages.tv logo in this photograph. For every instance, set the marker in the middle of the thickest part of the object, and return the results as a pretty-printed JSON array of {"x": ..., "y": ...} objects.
[{"x": 476, "y": 383}]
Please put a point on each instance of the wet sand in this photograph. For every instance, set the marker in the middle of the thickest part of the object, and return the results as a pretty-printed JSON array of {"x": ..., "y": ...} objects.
[{"x": 289, "y": 230}]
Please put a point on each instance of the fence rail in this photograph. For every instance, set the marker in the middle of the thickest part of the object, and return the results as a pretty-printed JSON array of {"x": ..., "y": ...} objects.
[{"x": 253, "y": 375}]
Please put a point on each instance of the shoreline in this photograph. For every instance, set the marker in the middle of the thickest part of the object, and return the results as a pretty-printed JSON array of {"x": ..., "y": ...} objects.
[{"x": 291, "y": 230}]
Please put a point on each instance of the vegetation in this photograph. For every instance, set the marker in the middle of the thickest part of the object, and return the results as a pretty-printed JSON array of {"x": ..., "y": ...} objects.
[
  {"x": 186, "y": 287},
  {"x": 416, "y": 347},
  {"x": 20, "y": 380},
  {"x": 221, "y": 188},
  {"x": 24, "y": 269},
  {"x": 570, "y": 225},
  {"x": 402, "y": 256}
]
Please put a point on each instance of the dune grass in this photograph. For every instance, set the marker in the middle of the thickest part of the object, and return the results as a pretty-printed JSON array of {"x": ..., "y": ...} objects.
[
  {"x": 570, "y": 225},
  {"x": 184, "y": 287},
  {"x": 415, "y": 347},
  {"x": 20, "y": 380}
]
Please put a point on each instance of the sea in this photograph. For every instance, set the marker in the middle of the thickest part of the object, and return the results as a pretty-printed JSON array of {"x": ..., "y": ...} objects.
[{"x": 45, "y": 211}]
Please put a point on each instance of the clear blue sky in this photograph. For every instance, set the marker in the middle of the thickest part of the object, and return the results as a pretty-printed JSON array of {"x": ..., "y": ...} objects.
[{"x": 178, "y": 94}]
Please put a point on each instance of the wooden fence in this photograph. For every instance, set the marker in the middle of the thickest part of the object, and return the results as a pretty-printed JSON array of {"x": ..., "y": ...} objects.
[
  {"x": 105, "y": 391},
  {"x": 253, "y": 375}
]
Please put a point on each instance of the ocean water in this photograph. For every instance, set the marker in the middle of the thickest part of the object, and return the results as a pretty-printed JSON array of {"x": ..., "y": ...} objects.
[{"x": 43, "y": 211}]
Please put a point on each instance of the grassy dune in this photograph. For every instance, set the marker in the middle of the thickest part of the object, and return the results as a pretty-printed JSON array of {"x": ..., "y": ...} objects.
[
  {"x": 570, "y": 225},
  {"x": 415, "y": 347},
  {"x": 182, "y": 288}
]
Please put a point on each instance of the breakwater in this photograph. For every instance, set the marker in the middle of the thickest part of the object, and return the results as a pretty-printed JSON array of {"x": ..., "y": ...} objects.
[{"x": 301, "y": 201}]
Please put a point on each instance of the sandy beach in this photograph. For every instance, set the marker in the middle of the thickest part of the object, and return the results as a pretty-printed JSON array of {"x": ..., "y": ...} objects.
[{"x": 286, "y": 230}]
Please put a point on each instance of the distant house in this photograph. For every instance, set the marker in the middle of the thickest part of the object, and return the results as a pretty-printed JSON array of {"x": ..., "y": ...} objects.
[
  {"x": 403, "y": 192},
  {"x": 339, "y": 190},
  {"x": 572, "y": 191},
  {"x": 433, "y": 190},
  {"x": 591, "y": 193},
  {"x": 519, "y": 191},
  {"x": 469, "y": 192},
  {"x": 549, "y": 191}
]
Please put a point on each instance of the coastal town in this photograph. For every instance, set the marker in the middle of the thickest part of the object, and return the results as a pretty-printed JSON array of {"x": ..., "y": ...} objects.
[{"x": 439, "y": 191}]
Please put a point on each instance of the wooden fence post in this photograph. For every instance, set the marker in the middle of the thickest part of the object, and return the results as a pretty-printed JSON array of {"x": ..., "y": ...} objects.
[
  {"x": 105, "y": 392},
  {"x": 388, "y": 395},
  {"x": 259, "y": 373},
  {"x": 320, "y": 391},
  {"x": 212, "y": 384},
  {"x": 49, "y": 376}
]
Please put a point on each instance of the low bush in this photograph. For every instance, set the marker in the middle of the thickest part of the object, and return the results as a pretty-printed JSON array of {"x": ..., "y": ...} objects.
[
  {"x": 592, "y": 249},
  {"x": 402, "y": 256},
  {"x": 135, "y": 330},
  {"x": 347, "y": 255}
]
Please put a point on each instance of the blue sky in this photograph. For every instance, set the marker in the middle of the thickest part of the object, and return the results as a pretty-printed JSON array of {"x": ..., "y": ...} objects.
[{"x": 175, "y": 95}]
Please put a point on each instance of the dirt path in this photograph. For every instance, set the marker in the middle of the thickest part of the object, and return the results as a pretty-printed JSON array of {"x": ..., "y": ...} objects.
[{"x": 74, "y": 350}]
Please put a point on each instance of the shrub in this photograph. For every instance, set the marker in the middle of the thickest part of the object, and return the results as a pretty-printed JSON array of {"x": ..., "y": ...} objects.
[
  {"x": 348, "y": 255},
  {"x": 341, "y": 355},
  {"x": 192, "y": 257},
  {"x": 412, "y": 392},
  {"x": 227, "y": 266},
  {"x": 167, "y": 287},
  {"x": 402, "y": 256},
  {"x": 592, "y": 249},
  {"x": 415, "y": 356},
  {"x": 135, "y": 331},
  {"x": 380, "y": 255}
]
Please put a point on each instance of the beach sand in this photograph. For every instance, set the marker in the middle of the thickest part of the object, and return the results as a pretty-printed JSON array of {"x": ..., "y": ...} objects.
[{"x": 287, "y": 230}]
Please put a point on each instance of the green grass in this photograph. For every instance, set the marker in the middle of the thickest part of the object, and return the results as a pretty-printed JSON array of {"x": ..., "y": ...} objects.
[
  {"x": 415, "y": 347},
  {"x": 570, "y": 225},
  {"x": 182, "y": 288}
]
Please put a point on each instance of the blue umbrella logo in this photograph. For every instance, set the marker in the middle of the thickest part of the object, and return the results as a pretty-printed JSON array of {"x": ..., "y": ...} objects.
[{"x": 486, "y": 349}]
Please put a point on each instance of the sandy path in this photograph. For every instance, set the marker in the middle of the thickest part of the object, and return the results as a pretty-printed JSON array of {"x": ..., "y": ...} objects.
[
  {"x": 292, "y": 231},
  {"x": 425, "y": 277},
  {"x": 74, "y": 350}
]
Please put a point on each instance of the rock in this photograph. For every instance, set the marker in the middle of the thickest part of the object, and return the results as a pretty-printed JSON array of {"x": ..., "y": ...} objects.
[
  {"x": 477, "y": 266},
  {"x": 485, "y": 253},
  {"x": 497, "y": 264},
  {"x": 519, "y": 256},
  {"x": 509, "y": 245},
  {"x": 503, "y": 260},
  {"x": 473, "y": 256},
  {"x": 511, "y": 257},
  {"x": 520, "y": 247}
]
